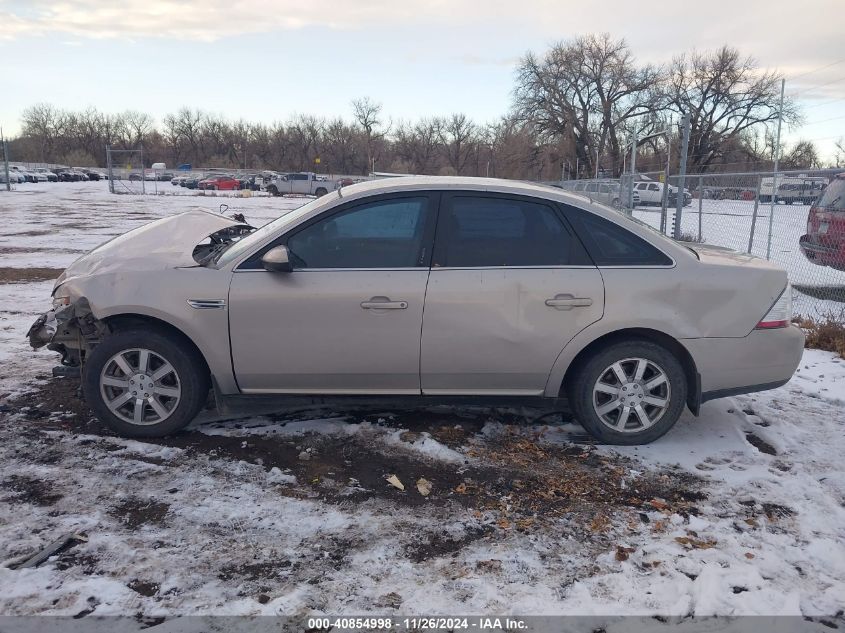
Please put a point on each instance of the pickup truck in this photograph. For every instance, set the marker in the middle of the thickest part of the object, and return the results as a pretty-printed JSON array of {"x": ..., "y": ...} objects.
[
  {"x": 651, "y": 193},
  {"x": 303, "y": 183}
]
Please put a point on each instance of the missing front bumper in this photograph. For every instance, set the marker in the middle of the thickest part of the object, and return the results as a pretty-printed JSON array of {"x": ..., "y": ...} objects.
[{"x": 71, "y": 330}]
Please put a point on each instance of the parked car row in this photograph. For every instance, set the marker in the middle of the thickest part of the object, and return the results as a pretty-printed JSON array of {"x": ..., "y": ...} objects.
[
  {"x": 19, "y": 175},
  {"x": 301, "y": 183},
  {"x": 604, "y": 191},
  {"x": 212, "y": 182}
]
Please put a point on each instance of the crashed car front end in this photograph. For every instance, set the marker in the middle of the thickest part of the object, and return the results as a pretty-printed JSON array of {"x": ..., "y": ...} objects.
[
  {"x": 69, "y": 328},
  {"x": 123, "y": 276}
]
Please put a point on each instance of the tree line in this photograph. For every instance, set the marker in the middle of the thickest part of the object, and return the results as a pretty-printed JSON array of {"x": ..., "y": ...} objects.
[{"x": 574, "y": 109}]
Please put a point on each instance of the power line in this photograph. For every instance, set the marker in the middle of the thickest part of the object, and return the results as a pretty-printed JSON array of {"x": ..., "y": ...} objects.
[
  {"x": 815, "y": 86},
  {"x": 815, "y": 70},
  {"x": 834, "y": 118},
  {"x": 824, "y": 103}
]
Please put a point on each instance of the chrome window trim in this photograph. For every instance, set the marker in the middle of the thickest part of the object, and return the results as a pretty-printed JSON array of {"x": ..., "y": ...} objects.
[
  {"x": 332, "y": 270},
  {"x": 436, "y": 268}
]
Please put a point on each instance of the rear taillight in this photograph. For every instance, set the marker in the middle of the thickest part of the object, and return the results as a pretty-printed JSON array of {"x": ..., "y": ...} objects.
[{"x": 780, "y": 314}]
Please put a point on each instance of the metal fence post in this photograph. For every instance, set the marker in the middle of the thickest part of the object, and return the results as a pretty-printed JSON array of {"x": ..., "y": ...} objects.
[
  {"x": 754, "y": 215},
  {"x": 774, "y": 201},
  {"x": 108, "y": 166},
  {"x": 700, "y": 206},
  {"x": 679, "y": 197},
  {"x": 630, "y": 209},
  {"x": 143, "y": 174}
]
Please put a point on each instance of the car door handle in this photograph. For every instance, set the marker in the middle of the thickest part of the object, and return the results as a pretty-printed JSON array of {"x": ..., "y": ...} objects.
[
  {"x": 383, "y": 303},
  {"x": 567, "y": 302}
]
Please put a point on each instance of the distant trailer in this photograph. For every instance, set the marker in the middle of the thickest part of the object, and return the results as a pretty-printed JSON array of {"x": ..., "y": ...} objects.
[{"x": 793, "y": 189}]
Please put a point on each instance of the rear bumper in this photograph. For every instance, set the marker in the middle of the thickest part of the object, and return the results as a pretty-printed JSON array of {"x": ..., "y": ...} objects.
[
  {"x": 823, "y": 255},
  {"x": 764, "y": 359}
]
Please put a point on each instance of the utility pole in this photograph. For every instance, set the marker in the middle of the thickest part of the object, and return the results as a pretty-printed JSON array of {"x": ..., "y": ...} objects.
[
  {"x": 682, "y": 173},
  {"x": 775, "y": 174}
]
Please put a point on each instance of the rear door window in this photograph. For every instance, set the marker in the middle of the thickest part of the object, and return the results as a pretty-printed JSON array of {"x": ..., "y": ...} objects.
[
  {"x": 479, "y": 231},
  {"x": 610, "y": 244}
]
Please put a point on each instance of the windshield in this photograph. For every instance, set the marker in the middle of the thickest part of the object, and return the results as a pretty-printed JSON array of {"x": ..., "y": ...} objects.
[
  {"x": 259, "y": 235},
  {"x": 833, "y": 198}
]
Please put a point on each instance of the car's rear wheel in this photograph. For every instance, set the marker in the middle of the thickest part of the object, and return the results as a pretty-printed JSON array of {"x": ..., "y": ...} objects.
[
  {"x": 321, "y": 191},
  {"x": 145, "y": 383},
  {"x": 272, "y": 190},
  {"x": 628, "y": 393}
]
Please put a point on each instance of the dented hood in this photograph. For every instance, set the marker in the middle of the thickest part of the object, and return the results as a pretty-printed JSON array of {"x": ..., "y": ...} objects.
[{"x": 159, "y": 245}]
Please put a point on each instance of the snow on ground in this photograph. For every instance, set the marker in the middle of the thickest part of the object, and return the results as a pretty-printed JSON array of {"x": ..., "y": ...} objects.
[{"x": 739, "y": 511}]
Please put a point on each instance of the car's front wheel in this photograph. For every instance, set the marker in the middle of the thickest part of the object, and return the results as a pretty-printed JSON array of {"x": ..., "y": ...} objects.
[
  {"x": 145, "y": 383},
  {"x": 628, "y": 393}
]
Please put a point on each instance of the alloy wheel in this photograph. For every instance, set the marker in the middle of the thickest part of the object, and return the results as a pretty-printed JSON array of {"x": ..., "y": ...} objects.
[
  {"x": 631, "y": 395},
  {"x": 140, "y": 386}
]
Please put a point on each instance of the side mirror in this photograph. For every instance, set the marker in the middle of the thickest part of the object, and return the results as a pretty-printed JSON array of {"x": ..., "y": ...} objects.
[{"x": 277, "y": 260}]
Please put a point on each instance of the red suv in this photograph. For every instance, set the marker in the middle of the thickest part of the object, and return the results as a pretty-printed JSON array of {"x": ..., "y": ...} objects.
[{"x": 824, "y": 243}]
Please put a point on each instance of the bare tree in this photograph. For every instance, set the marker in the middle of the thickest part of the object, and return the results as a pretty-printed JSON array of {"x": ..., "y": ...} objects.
[
  {"x": 457, "y": 134},
  {"x": 367, "y": 114},
  {"x": 803, "y": 155},
  {"x": 726, "y": 95},
  {"x": 585, "y": 92},
  {"x": 46, "y": 125},
  {"x": 417, "y": 145}
]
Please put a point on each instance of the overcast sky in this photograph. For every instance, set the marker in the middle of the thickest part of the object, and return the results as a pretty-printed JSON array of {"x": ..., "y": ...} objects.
[{"x": 264, "y": 61}]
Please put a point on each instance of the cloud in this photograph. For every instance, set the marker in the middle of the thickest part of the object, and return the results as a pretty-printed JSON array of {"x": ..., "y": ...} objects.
[{"x": 210, "y": 20}]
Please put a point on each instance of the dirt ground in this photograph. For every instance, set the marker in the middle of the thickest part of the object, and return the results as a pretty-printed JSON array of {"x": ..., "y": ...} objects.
[{"x": 539, "y": 483}]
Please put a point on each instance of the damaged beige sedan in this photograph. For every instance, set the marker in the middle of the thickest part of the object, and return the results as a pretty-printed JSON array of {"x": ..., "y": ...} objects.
[{"x": 428, "y": 290}]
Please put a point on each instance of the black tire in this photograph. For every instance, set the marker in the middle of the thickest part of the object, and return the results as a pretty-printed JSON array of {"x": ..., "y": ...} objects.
[
  {"x": 587, "y": 374},
  {"x": 272, "y": 190},
  {"x": 321, "y": 191},
  {"x": 188, "y": 366}
]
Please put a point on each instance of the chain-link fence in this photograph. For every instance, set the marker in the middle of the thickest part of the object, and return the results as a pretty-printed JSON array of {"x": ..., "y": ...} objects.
[
  {"x": 125, "y": 170},
  {"x": 795, "y": 219}
]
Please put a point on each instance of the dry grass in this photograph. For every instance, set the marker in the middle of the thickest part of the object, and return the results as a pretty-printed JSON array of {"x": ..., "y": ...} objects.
[
  {"x": 689, "y": 237},
  {"x": 826, "y": 332}
]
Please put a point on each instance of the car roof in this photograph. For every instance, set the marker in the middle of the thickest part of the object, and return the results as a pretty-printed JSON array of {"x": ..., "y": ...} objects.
[{"x": 491, "y": 185}]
